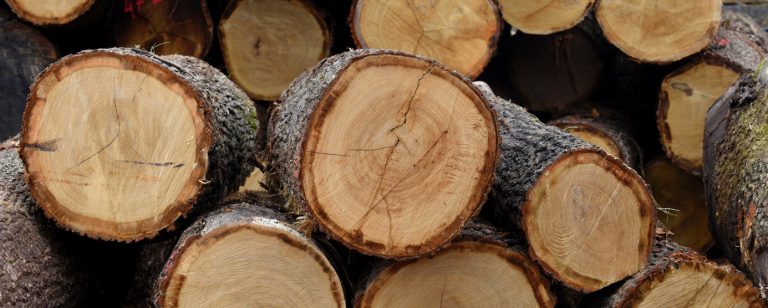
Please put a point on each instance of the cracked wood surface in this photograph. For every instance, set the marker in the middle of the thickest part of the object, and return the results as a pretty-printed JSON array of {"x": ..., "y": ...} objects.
[
  {"x": 120, "y": 142},
  {"x": 409, "y": 158}
]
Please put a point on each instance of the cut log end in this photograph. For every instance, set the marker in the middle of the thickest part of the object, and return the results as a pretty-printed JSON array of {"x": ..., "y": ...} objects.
[
  {"x": 50, "y": 12},
  {"x": 594, "y": 236},
  {"x": 659, "y": 32},
  {"x": 266, "y": 44},
  {"x": 686, "y": 95},
  {"x": 466, "y": 274},
  {"x": 593, "y": 135},
  {"x": 544, "y": 17},
  {"x": 411, "y": 158},
  {"x": 134, "y": 158},
  {"x": 461, "y": 34},
  {"x": 263, "y": 263}
]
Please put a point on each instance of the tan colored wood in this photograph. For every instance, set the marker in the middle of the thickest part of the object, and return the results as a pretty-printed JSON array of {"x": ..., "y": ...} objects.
[
  {"x": 460, "y": 34},
  {"x": 659, "y": 31},
  {"x": 254, "y": 182},
  {"x": 466, "y": 274},
  {"x": 688, "y": 95},
  {"x": 586, "y": 235},
  {"x": 261, "y": 264},
  {"x": 593, "y": 136},
  {"x": 266, "y": 44},
  {"x": 44, "y": 12},
  {"x": 406, "y": 147},
  {"x": 544, "y": 16},
  {"x": 681, "y": 194}
]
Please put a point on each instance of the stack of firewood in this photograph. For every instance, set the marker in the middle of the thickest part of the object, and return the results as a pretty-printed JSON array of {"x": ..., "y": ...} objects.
[{"x": 373, "y": 153}]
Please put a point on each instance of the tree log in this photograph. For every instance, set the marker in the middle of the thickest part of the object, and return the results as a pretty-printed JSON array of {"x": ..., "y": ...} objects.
[
  {"x": 388, "y": 152},
  {"x": 544, "y": 17},
  {"x": 679, "y": 277},
  {"x": 480, "y": 268},
  {"x": 735, "y": 172},
  {"x": 118, "y": 143},
  {"x": 167, "y": 27},
  {"x": 266, "y": 44},
  {"x": 27, "y": 52},
  {"x": 601, "y": 229},
  {"x": 659, "y": 32},
  {"x": 681, "y": 194},
  {"x": 53, "y": 12},
  {"x": 460, "y": 34},
  {"x": 249, "y": 254},
  {"x": 687, "y": 93}
]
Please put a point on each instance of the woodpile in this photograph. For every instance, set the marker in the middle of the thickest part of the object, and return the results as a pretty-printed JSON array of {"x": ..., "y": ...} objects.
[{"x": 370, "y": 153}]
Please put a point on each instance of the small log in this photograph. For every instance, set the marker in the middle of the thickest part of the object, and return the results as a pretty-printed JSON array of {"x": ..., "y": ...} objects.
[
  {"x": 119, "y": 143},
  {"x": 167, "y": 27},
  {"x": 659, "y": 32},
  {"x": 54, "y": 12},
  {"x": 461, "y": 34},
  {"x": 389, "y": 153},
  {"x": 266, "y": 44},
  {"x": 480, "y": 268},
  {"x": 687, "y": 93},
  {"x": 544, "y": 17},
  {"x": 601, "y": 230}
]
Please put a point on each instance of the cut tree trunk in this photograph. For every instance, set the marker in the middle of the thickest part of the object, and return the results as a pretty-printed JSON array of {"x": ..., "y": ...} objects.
[
  {"x": 37, "y": 270},
  {"x": 54, "y": 12},
  {"x": 390, "y": 153},
  {"x": 266, "y": 44},
  {"x": 167, "y": 27},
  {"x": 735, "y": 172},
  {"x": 601, "y": 230},
  {"x": 480, "y": 268},
  {"x": 27, "y": 52},
  {"x": 551, "y": 73},
  {"x": 460, "y": 34},
  {"x": 679, "y": 277},
  {"x": 681, "y": 197},
  {"x": 544, "y": 17},
  {"x": 607, "y": 129},
  {"x": 659, "y": 31},
  {"x": 119, "y": 143},
  {"x": 687, "y": 93},
  {"x": 247, "y": 254}
]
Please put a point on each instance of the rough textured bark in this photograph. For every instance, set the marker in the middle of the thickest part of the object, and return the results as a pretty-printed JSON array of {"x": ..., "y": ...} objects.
[
  {"x": 757, "y": 10},
  {"x": 37, "y": 270},
  {"x": 735, "y": 172},
  {"x": 25, "y": 52},
  {"x": 230, "y": 136}
]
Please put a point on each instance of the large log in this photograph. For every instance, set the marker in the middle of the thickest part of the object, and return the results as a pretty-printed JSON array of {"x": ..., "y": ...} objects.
[
  {"x": 659, "y": 32},
  {"x": 735, "y": 172},
  {"x": 119, "y": 143},
  {"x": 688, "y": 92},
  {"x": 266, "y": 44},
  {"x": 247, "y": 254},
  {"x": 460, "y": 34},
  {"x": 587, "y": 217},
  {"x": 480, "y": 268},
  {"x": 388, "y": 152},
  {"x": 544, "y": 17},
  {"x": 26, "y": 53},
  {"x": 168, "y": 27}
]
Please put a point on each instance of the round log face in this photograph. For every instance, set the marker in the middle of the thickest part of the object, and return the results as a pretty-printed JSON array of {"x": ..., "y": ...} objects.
[
  {"x": 261, "y": 264},
  {"x": 114, "y": 146},
  {"x": 589, "y": 222},
  {"x": 659, "y": 31},
  {"x": 460, "y": 34},
  {"x": 686, "y": 95},
  {"x": 397, "y": 168},
  {"x": 466, "y": 274},
  {"x": 266, "y": 44},
  {"x": 44, "y": 12},
  {"x": 544, "y": 16},
  {"x": 593, "y": 136}
]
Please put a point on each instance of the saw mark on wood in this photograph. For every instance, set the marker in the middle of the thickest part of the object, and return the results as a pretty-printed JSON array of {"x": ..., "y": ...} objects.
[{"x": 45, "y": 146}]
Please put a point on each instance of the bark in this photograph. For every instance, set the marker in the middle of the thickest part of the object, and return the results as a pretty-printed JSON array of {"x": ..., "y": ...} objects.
[
  {"x": 25, "y": 52},
  {"x": 757, "y": 10}
]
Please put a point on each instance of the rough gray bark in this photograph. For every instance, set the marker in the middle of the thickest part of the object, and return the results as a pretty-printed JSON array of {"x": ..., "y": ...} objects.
[
  {"x": 24, "y": 53},
  {"x": 755, "y": 9},
  {"x": 231, "y": 122},
  {"x": 36, "y": 270}
]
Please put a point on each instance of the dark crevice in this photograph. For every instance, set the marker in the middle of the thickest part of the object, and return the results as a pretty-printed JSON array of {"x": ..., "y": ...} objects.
[
  {"x": 409, "y": 103},
  {"x": 166, "y": 164},
  {"x": 45, "y": 146}
]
